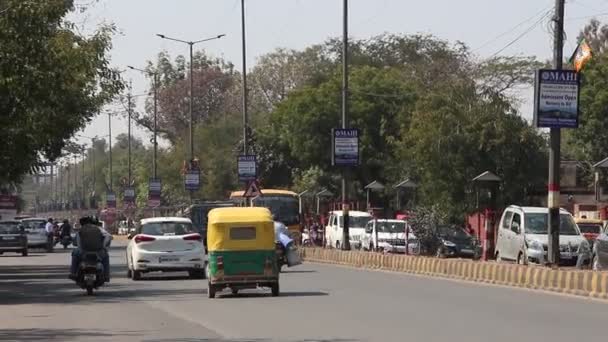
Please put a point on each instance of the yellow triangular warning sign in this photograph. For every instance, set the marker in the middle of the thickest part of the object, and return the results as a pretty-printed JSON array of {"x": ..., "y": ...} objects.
[{"x": 253, "y": 190}]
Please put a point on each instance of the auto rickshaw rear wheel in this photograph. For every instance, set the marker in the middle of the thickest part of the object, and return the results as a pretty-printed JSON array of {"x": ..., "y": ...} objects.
[{"x": 210, "y": 291}]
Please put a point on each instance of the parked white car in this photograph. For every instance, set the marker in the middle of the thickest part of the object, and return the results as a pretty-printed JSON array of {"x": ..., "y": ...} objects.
[
  {"x": 35, "y": 230},
  {"x": 390, "y": 236},
  {"x": 522, "y": 237},
  {"x": 166, "y": 244},
  {"x": 356, "y": 228}
]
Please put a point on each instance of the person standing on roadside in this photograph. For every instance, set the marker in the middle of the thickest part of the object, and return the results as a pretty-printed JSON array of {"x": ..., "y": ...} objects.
[{"x": 50, "y": 230}]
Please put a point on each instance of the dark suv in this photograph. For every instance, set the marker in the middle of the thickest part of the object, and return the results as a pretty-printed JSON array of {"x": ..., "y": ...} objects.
[{"x": 12, "y": 237}]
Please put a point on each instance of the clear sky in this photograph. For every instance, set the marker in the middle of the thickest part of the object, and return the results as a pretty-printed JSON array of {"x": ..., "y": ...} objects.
[{"x": 487, "y": 26}]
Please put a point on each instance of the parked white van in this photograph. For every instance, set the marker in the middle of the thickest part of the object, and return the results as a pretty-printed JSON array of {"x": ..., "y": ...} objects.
[
  {"x": 522, "y": 237},
  {"x": 357, "y": 220}
]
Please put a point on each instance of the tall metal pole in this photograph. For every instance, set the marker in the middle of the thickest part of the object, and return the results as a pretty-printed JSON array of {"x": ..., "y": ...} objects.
[
  {"x": 129, "y": 137},
  {"x": 191, "y": 102},
  {"x": 75, "y": 196},
  {"x": 154, "y": 154},
  {"x": 244, "y": 85},
  {"x": 554, "y": 151},
  {"x": 345, "y": 204},
  {"x": 83, "y": 192},
  {"x": 110, "y": 147}
]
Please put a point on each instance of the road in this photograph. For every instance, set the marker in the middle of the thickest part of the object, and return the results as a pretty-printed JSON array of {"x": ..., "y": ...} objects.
[{"x": 318, "y": 303}]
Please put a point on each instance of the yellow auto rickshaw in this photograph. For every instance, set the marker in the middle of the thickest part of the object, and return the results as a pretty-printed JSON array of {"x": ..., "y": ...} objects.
[{"x": 241, "y": 250}]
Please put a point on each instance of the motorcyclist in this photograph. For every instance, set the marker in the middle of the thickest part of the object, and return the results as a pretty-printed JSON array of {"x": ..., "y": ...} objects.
[
  {"x": 66, "y": 229},
  {"x": 91, "y": 238}
]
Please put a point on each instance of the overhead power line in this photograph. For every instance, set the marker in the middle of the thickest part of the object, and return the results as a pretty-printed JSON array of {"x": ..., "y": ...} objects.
[
  {"x": 528, "y": 30},
  {"x": 518, "y": 25}
]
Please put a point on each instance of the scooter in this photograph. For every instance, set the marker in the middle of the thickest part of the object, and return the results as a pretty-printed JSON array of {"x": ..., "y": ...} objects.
[{"x": 90, "y": 272}]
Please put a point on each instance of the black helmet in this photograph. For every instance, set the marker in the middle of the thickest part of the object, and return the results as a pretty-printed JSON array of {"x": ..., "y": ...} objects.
[{"x": 89, "y": 220}]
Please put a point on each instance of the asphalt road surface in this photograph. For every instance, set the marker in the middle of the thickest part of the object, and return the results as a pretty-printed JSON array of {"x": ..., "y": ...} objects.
[{"x": 318, "y": 303}]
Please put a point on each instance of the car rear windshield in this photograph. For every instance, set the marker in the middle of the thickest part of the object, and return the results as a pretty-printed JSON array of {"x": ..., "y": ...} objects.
[
  {"x": 31, "y": 225},
  {"x": 391, "y": 227},
  {"x": 354, "y": 221},
  {"x": 536, "y": 223},
  {"x": 167, "y": 228},
  {"x": 593, "y": 228},
  {"x": 9, "y": 228}
]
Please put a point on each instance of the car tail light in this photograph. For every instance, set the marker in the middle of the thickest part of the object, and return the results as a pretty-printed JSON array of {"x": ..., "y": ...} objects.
[
  {"x": 220, "y": 262},
  {"x": 590, "y": 236},
  {"x": 144, "y": 238},
  {"x": 193, "y": 237}
]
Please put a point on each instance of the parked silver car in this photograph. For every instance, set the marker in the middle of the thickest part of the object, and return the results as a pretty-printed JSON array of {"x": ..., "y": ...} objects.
[
  {"x": 522, "y": 237},
  {"x": 600, "y": 251}
]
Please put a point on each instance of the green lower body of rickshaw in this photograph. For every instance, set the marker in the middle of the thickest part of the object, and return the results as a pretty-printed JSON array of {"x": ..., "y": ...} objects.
[{"x": 241, "y": 266}]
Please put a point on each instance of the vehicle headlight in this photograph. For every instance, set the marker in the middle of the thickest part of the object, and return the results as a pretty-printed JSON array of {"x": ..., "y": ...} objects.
[
  {"x": 448, "y": 243},
  {"x": 584, "y": 247},
  {"x": 535, "y": 245}
]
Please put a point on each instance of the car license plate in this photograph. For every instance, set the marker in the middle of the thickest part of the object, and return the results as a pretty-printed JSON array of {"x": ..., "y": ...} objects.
[
  {"x": 89, "y": 276},
  {"x": 566, "y": 256},
  {"x": 168, "y": 259},
  {"x": 8, "y": 238},
  {"x": 466, "y": 250}
]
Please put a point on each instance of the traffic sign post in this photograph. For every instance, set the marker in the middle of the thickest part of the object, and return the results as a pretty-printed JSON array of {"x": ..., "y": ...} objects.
[
  {"x": 253, "y": 190},
  {"x": 192, "y": 180},
  {"x": 345, "y": 147},
  {"x": 154, "y": 192},
  {"x": 247, "y": 168},
  {"x": 129, "y": 195},
  {"x": 111, "y": 200}
]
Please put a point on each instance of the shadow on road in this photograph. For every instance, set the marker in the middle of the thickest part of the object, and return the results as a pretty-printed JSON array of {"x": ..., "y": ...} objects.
[
  {"x": 246, "y": 340},
  {"x": 57, "y": 334},
  {"x": 48, "y": 284},
  {"x": 226, "y": 294},
  {"x": 299, "y": 271}
]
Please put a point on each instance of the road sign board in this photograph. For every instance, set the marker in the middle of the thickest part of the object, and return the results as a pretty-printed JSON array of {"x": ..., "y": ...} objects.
[
  {"x": 556, "y": 100},
  {"x": 253, "y": 190},
  {"x": 129, "y": 195},
  {"x": 111, "y": 200},
  {"x": 192, "y": 180},
  {"x": 247, "y": 168},
  {"x": 345, "y": 146}
]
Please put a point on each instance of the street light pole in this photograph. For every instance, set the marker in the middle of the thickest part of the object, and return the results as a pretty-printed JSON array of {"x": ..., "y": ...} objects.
[
  {"x": 110, "y": 147},
  {"x": 191, "y": 91},
  {"x": 553, "y": 222},
  {"x": 244, "y": 83},
  {"x": 191, "y": 102},
  {"x": 129, "y": 136},
  {"x": 345, "y": 204},
  {"x": 155, "y": 128}
]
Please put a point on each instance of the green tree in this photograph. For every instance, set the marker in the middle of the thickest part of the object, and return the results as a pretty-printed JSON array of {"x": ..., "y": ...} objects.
[{"x": 53, "y": 82}]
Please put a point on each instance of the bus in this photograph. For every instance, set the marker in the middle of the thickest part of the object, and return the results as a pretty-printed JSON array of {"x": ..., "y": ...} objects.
[
  {"x": 283, "y": 204},
  {"x": 198, "y": 211}
]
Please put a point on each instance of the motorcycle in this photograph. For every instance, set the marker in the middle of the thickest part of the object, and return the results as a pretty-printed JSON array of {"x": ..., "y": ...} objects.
[
  {"x": 90, "y": 272},
  {"x": 66, "y": 241}
]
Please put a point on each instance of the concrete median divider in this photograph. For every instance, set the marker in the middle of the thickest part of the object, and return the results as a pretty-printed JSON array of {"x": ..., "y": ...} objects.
[{"x": 575, "y": 282}]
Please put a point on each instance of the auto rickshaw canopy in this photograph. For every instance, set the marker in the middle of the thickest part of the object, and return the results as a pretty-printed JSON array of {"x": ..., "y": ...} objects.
[{"x": 240, "y": 229}]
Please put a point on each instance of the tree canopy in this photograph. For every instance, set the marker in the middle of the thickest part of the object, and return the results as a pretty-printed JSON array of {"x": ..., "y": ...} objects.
[{"x": 52, "y": 82}]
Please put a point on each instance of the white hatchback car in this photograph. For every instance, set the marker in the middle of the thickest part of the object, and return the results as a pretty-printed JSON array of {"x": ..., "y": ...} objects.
[{"x": 166, "y": 244}]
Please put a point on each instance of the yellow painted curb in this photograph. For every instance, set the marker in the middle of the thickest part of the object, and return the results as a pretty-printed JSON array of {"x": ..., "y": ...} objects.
[{"x": 579, "y": 282}]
